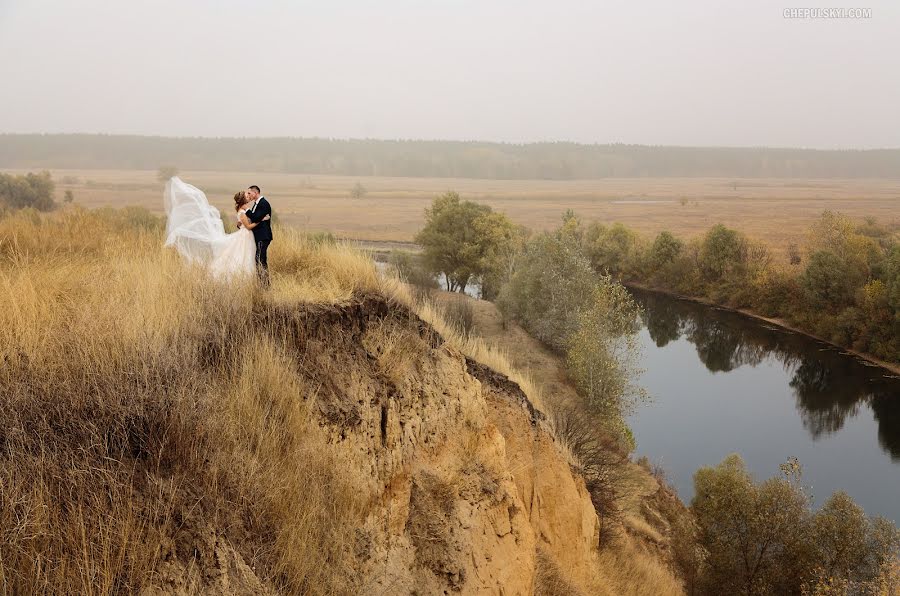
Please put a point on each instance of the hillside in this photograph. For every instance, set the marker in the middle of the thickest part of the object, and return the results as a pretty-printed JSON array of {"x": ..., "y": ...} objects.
[
  {"x": 438, "y": 159},
  {"x": 164, "y": 433}
]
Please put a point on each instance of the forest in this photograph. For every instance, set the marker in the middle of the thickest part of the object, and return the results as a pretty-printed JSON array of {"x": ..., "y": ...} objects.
[{"x": 441, "y": 159}]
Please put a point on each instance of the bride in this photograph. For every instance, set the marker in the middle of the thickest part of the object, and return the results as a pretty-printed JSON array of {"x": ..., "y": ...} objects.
[{"x": 195, "y": 229}]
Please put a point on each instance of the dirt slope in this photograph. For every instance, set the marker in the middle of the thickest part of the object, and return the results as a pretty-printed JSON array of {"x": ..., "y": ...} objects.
[{"x": 464, "y": 486}]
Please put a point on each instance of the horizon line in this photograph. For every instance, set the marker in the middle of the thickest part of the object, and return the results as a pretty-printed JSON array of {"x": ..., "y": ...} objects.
[{"x": 457, "y": 141}]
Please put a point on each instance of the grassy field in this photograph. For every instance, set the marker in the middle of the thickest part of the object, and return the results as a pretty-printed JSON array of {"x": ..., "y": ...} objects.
[{"x": 777, "y": 211}]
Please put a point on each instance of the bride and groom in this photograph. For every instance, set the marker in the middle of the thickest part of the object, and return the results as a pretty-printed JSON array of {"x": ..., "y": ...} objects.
[{"x": 195, "y": 229}]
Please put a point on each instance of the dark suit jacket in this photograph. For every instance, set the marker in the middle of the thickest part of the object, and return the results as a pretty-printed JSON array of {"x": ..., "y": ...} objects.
[{"x": 264, "y": 230}]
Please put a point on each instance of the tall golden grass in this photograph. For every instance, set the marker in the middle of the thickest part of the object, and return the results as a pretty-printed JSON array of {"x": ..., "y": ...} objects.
[{"x": 141, "y": 405}]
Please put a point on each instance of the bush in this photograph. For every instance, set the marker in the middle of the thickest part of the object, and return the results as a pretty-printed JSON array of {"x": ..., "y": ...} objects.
[
  {"x": 600, "y": 459},
  {"x": 603, "y": 353},
  {"x": 552, "y": 283},
  {"x": 559, "y": 299},
  {"x": 828, "y": 281},
  {"x": 611, "y": 249},
  {"x": 776, "y": 293},
  {"x": 722, "y": 252},
  {"x": 753, "y": 536},
  {"x": 764, "y": 538},
  {"x": 410, "y": 270},
  {"x": 34, "y": 191},
  {"x": 460, "y": 314},
  {"x": 358, "y": 191}
]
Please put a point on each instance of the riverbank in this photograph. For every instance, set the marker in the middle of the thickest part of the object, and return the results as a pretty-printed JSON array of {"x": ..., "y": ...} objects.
[
  {"x": 381, "y": 250},
  {"x": 869, "y": 359}
]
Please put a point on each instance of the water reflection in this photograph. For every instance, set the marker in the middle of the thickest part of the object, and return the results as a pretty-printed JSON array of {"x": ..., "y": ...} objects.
[{"x": 829, "y": 387}]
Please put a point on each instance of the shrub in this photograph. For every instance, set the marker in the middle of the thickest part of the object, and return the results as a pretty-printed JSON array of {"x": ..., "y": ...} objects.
[
  {"x": 603, "y": 353},
  {"x": 556, "y": 295},
  {"x": 358, "y": 191},
  {"x": 600, "y": 458},
  {"x": 764, "y": 538},
  {"x": 551, "y": 284},
  {"x": 752, "y": 535},
  {"x": 722, "y": 252},
  {"x": 410, "y": 270},
  {"x": 829, "y": 281},
  {"x": 31, "y": 191},
  {"x": 460, "y": 314},
  {"x": 611, "y": 249}
]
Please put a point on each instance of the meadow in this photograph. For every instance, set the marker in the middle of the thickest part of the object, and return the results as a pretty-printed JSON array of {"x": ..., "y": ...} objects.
[{"x": 776, "y": 211}]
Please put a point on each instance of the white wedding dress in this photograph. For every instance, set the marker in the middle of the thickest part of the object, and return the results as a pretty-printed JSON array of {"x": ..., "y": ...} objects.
[{"x": 195, "y": 229}]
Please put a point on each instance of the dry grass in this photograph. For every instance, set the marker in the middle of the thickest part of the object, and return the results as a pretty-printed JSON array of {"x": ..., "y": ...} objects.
[
  {"x": 550, "y": 580},
  {"x": 141, "y": 407},
  {"x": 629, "y": 570},
  {"x": 777, "y": 211},
  {"x": 481, "y": 351}
]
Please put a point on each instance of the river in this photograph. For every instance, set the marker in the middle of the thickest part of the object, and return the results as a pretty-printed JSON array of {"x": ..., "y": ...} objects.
[{"x": 722, "y": 383}]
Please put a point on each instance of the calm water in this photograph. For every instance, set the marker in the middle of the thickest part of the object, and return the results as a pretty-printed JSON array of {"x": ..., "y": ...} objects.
[{"x": 723, "y": 383}]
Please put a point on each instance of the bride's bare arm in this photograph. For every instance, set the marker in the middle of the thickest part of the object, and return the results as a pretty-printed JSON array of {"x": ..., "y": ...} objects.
[{"x": 246, "y": 223}]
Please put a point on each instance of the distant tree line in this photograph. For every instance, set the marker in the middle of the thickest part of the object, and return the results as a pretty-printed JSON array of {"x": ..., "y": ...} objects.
[{"x": 554, "y": 161}]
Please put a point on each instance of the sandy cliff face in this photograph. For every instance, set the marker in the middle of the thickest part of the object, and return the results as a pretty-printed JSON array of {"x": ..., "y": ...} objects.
[
  {"x": 468, "y": 486},
  {"x": 465, "y": 491}
]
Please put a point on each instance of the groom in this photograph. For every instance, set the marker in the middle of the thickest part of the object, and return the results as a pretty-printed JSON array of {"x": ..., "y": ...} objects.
[{"x": 262, "y": 233}]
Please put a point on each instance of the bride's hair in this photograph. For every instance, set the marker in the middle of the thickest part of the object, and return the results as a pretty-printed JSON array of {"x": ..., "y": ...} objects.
[{"x": 240, "y": 198}]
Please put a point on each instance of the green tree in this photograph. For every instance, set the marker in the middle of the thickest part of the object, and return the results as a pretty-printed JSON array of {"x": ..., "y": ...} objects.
[
  {"x": 758, "y": 539},
  {"x": 610, "y": 249},
  {"x": 603, "y": 352},
  {"x": 665, "y": 249},
  {"x": 552, "y": 282},
  {"x": 504, "y": 242},
  {"x": 892, "y": 280},
  {"x": 31, "y": 190},
  {"x": 840, "y": 530},
  {"x": 838, "y": 234},
  {"x": 463, "y": 240},
  {"x": 753, "y": 536},
  {"x": 829, "y": 281},
  {"x": 722, "y": 253}
]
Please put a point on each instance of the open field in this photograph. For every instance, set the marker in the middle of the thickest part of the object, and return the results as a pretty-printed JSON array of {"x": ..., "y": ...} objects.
[{"x": 777, "y": 211}]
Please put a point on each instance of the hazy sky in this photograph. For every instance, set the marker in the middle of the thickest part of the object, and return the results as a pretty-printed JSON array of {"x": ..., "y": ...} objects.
[{"x": 721, "y": 72}]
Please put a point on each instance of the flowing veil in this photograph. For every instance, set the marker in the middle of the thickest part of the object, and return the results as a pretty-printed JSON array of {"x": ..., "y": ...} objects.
[{"x": 194, "y": 227}]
